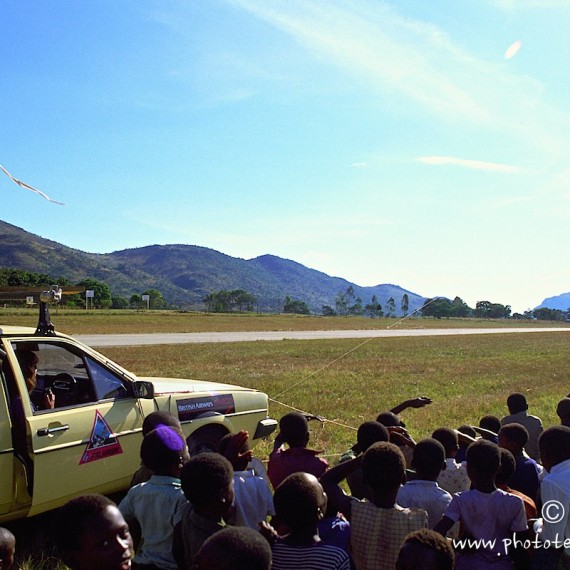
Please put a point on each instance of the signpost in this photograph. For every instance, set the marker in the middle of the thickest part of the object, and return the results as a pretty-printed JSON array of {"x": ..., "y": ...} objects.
[{"x": 89, "y": 294}]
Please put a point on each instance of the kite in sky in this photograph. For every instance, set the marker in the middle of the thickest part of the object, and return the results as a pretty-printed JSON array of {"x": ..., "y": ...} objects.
[{"x": 28, "y": 187}]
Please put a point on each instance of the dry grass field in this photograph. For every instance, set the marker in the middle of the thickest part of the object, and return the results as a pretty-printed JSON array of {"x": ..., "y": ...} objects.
[
  {"x": 350, "y": 381},
  {"x": 117, "y": 321}
]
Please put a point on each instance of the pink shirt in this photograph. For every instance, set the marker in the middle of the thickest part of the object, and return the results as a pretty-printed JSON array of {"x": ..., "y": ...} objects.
[{"x": 283, "y": 462}]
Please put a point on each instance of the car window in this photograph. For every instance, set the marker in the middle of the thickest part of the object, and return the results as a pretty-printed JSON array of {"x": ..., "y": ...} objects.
[
  {"x": 106, "y": 383},
  {"x": 74, "y": 377}
]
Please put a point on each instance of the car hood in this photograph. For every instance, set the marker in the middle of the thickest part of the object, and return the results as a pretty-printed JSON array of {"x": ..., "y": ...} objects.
[{"x": 181, "y": 386}]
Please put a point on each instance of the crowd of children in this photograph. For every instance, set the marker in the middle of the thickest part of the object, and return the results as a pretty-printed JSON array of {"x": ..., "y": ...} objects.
[{"x": 469, "y": 498}]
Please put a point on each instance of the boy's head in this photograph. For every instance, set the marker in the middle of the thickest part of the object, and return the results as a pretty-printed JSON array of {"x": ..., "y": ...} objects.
[
  {"x": 300, "y": 502},
  {"x": 483, "y": 461},
  {"x": 468, "y": 430},
  {"x": 294, "y": 429},
  {"x": 554, "y": 444},
  {"x": 91, "y": 534},
  {"x": 426, "y": 549},
  {"x": 491, "y": 423},
  {"x": 208, "y": 483},
  {"x": 513, "y": 437},
  {"x": 369, "y": 433},
  {"x": 383, "y": 468},
  {"x": 235, "y": 548},
  {"x": 507, "y": 469},
  {"x": 516, "y": 403},
  {"x": 7, "y": 549},
  {"x": 428, "y": 459},
  {"x": 163, "y": 450},
  {"x": 390, "y": 419},
  {"x": 448, "y": 438},
  {"x": 160, "y": 418},
  {"x": 563, "y": 411}
]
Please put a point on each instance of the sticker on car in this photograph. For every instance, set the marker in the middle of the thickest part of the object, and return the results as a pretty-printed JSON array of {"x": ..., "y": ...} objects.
[
  {"x": 191, "y": 408},
  {"x": 102, "y": 443}
]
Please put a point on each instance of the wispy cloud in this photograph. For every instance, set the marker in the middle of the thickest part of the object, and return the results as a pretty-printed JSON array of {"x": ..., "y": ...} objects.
[
  {"x": 372, "y": 41},
  {"x": 414, "y": 63},
  {"x": 467, "y": 163}
]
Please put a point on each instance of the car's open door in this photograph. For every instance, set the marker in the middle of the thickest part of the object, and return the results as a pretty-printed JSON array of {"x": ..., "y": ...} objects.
[{"x": 80, "y": 445}]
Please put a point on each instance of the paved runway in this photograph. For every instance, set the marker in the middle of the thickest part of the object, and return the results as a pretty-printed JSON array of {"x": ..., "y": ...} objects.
[{"x": 100, "y": 340}]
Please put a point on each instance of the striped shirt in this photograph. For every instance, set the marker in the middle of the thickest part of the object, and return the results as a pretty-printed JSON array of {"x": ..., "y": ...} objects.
[{"x": 317, "y": 556}]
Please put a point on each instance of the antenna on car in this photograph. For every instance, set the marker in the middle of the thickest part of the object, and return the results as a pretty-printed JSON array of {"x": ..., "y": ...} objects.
[{"x": 45, "y": 326}]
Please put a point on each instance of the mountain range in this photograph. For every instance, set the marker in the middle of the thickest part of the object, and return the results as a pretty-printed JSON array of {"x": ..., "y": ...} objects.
[{"x": 185, "y": 274}]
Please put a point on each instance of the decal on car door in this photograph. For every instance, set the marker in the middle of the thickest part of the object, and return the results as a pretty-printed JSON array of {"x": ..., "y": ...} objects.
[
  {"x": 194, "y": 407},
  {"x": 103, "y": 443}
]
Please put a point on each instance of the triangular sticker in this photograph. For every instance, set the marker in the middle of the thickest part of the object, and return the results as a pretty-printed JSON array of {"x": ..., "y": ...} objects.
[{"x": 103, "y": 443}]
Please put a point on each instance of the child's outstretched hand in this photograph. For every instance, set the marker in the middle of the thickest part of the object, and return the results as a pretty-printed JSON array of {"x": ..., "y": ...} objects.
[
  {"x": 419, "y": 402},
  {"x": 268, "y": 532},
  {"x": 234, "y": 452},
  {"x": 313, "y": 417}
]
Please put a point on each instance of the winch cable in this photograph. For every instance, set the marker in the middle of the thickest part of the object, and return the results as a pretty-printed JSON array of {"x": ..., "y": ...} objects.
[{"x": 315, "y": 372}]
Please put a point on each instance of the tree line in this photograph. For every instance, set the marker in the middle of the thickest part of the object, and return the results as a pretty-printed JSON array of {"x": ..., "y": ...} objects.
[
  {"x": 346, "y": 303},
  {"x": 102, "y": 296}
]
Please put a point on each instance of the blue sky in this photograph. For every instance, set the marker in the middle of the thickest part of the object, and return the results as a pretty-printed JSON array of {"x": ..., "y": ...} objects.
[{"x": 425, "y": 144}]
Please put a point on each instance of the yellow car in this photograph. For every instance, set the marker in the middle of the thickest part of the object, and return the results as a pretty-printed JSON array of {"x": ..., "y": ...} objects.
[{"x": 89, "y": 441}]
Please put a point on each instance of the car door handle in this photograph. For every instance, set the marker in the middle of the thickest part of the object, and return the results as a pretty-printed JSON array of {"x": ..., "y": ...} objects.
[{"x": 51, "y": 430}]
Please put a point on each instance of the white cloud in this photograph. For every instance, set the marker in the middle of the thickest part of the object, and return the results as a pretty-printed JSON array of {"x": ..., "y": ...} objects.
[{"x": 467, "y": 163}]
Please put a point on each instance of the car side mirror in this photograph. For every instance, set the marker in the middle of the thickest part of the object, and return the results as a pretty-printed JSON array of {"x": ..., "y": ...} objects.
[{"x": 143, "y": 390}]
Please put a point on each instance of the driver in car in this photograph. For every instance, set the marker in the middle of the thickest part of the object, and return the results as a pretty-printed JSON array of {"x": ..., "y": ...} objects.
[{"x": 29, "y": 364}]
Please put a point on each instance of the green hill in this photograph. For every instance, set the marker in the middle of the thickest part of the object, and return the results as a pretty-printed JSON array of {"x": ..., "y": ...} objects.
[{"x": 185, "y": 274}]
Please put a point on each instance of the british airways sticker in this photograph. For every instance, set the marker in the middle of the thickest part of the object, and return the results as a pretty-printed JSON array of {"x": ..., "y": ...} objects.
[
  {"x": 103, "y": 443},
  {"x": 191, "y": 408}
]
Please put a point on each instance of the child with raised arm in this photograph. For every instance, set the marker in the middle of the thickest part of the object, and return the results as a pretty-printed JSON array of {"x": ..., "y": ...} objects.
[
  {"x": 294, "y": 431},
  {"x": 485, "y": 512},
  {"x": 377, "y": 528},
  {"x": 253, "y": 500}
]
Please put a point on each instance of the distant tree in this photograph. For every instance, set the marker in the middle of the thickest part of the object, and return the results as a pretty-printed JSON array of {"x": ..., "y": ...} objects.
[
  {"x": 438, "y": 307},
  {"x": 488, "y": 310},
  {"x": 227, "y": 301},
  {"x": 119, "y": 303},
  {"x": 156, "y": 300},
  {"x": 136, "y": 302},
  {"x": 341, "y": 304},
  {"x": 390, "y": 307},
  {"x": 356, "y": 308},
  {"x": 295, "y": 307},
  {"x": 460, "y": 308},
  {"x": 546, "y": 314},
  {"x": 102, "y": 297},
  {"x": 405, "y": 304},
  {"x": 328, "y": 311},
  {"x": 374, "y": 308}
]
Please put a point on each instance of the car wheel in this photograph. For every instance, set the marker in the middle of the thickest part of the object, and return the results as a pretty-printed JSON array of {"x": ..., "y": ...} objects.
[{"x": 206, "y": 438}]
